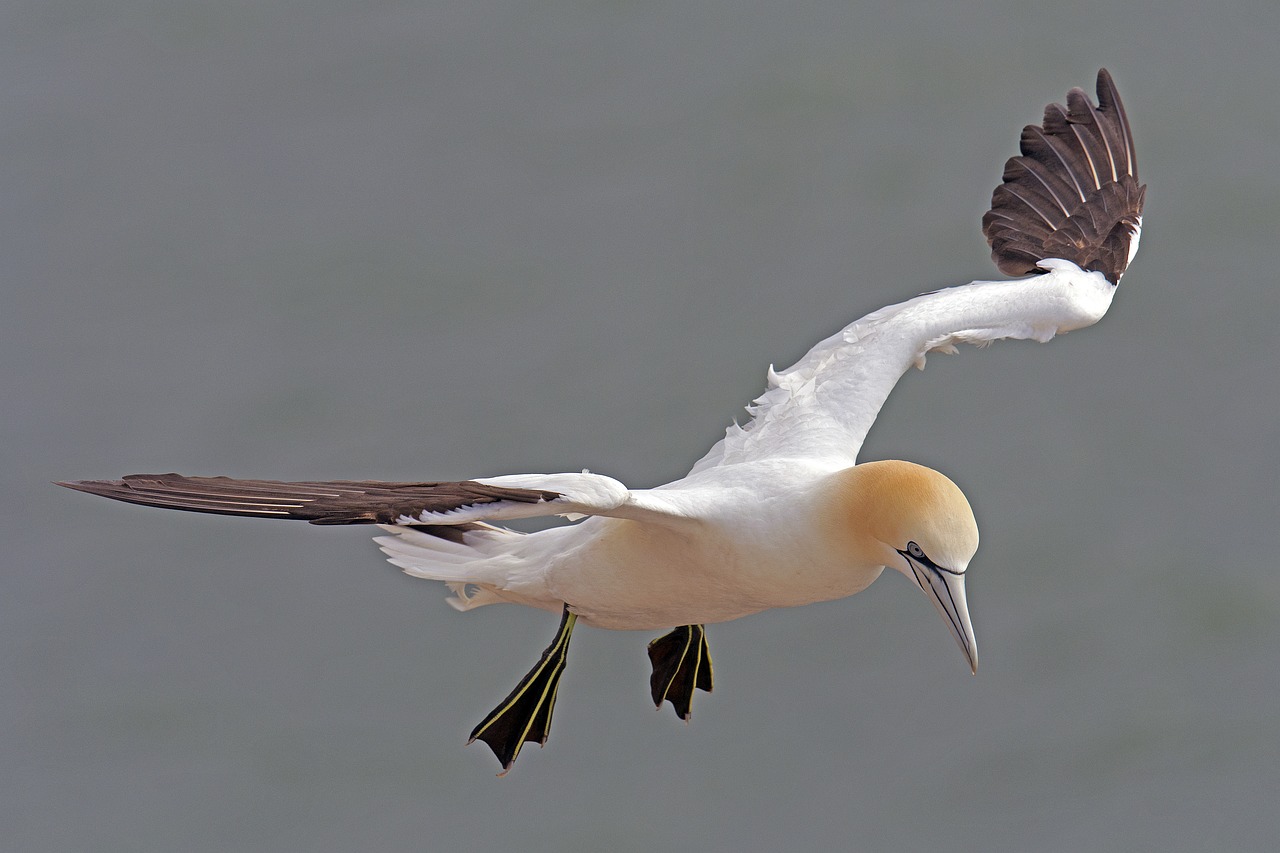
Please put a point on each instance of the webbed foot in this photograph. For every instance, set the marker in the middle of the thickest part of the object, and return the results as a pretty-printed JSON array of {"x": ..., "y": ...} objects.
[
  {"x": 681, "y": 664},
  {"x": 525, "y": 715}
]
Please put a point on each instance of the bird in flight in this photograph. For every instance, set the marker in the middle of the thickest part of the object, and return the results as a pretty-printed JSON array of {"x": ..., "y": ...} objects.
[{"x": 779, "y": 513}]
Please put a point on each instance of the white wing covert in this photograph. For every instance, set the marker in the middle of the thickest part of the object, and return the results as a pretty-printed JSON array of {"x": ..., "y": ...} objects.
[{"x": 822, "y": 407}]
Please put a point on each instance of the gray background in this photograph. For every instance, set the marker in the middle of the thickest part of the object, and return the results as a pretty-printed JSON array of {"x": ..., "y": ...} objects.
[{"x": 414, "y": 241}]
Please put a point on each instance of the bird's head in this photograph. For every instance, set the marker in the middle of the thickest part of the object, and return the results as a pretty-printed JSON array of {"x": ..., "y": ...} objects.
[{"x": 915, "y": 520}]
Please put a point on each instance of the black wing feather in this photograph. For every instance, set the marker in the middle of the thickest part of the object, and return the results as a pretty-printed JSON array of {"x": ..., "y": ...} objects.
[
  {"x": 1074, "y": 192},
  {"x": 320, "y": 502}
]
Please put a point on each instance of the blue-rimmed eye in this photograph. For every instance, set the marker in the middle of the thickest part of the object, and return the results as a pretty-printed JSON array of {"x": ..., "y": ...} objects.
[{"x": 915, "y": 550}]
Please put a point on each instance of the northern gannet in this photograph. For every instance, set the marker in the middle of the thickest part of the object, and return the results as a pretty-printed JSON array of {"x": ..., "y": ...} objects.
[{"x": 779, "y": 513}]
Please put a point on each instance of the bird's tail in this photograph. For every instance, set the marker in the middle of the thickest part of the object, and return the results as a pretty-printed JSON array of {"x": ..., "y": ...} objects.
[{"x": 479, "y": 562}]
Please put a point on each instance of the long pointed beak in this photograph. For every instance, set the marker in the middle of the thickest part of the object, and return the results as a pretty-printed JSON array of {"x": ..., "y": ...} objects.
[{"x": 946, "y": 591}]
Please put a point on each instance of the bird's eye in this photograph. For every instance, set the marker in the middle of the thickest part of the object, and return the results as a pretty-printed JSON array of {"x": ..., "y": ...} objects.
[{"x": 915, "y": 550}]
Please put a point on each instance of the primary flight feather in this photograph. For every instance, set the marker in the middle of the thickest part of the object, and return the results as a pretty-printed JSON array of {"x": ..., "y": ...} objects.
[{"x": 779, "y": 513}]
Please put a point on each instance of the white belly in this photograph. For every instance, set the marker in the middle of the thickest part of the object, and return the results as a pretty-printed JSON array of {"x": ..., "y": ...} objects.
[{"x": 624, "y": 575}]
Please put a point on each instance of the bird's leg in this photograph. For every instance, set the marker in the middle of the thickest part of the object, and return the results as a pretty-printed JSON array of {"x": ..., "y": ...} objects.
[
  {"x": 681, "y": 663},
  {"x": 525, "y": 715}
]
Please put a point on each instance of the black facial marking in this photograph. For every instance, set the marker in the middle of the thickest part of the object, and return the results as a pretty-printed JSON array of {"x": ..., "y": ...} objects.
[{"x": 916, "y": 553}]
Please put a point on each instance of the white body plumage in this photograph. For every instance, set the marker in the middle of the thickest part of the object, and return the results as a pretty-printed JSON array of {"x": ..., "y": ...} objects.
[{"x": 754, "y": 525}]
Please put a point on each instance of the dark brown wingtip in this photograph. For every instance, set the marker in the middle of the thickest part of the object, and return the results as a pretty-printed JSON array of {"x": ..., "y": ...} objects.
[
  {"x": 103, "y": 488},
  {"x": 78, "y": 485},
  {"x": 1073, "y": 193},
  {"x": 1109, "y": 102},
  {"x": 325, "y": 502}
]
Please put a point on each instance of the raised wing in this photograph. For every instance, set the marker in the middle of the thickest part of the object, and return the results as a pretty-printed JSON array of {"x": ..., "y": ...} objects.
[
  {"x": 373, "y": 502},
  {"x": 1069, "y": 213},
  {"x": 1074, "y": 192},
  {"x": 821, "y": 408}
]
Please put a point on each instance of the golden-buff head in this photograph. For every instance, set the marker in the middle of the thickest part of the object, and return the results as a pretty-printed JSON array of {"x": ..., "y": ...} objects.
[{"x": 889, "y": 504}]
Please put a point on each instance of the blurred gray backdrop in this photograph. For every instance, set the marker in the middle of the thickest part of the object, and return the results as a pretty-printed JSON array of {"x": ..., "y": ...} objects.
[{"x": 396, "y": 240}]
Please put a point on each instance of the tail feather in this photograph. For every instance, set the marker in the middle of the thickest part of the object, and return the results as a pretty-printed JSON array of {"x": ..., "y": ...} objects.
[
  {"x": 474, "y": 562},
  {"x": 468, "y": 596}
]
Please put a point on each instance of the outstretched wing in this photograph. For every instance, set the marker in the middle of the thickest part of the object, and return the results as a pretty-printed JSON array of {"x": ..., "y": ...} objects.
[
  {"x": 373, "y": 502},
  {"x": 1068, "y": 213},
  {"x": 1074, "y": 192}
]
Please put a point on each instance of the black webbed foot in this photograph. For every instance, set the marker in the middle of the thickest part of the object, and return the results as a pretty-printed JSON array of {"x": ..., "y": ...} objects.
[
  {"x": 681, "y": 664},
  {"x": 525, "y": 715}
]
